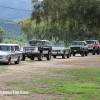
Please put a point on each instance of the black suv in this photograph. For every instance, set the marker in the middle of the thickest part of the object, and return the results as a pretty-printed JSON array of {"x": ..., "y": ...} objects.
[{"x": 37, "y": 48}]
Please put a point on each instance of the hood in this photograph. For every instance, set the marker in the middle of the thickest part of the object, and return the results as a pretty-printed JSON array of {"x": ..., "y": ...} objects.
[
  {"x": 30, "y": 46},
  {"x": 76, "y": 46},
  {"x": 2, "y": 53},
  {"x": 90, "y": 44},
  {"x": 58, "y": 48}
]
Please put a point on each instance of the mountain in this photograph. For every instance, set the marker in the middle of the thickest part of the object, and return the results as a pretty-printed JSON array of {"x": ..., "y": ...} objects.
[
  {"x": 10, "y": 27},
  {"x": 15, "y": 9}
]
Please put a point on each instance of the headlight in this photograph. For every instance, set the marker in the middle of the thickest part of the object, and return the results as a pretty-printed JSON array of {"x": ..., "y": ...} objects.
[
  {"x": 80, "y": 47},
  {"x": 61, "y": 50},
  {"x": 36, "y": 49},
  {"x": 6, "y": 57},
  {"x": 90, "y": 46}
]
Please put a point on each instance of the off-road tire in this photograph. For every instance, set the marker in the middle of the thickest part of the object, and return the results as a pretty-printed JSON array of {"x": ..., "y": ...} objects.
[
  {"x": 23, "y": 57},
  {"x": 98, "y": 51},
  {"x": 54, "y": 56},
  {"x": 63, "y": 56},
  {"x": 93, "y": 52},
  {"x": 40, "y": 57},
  {"x": 86, "y": 53},
  {"x": 73, "y": 54},
  {"x": 68, "y": 55},
  {"x": 82, "y": 53},
  {"x": 48, "y": 56},
  {"x": 32, "y": 58}
]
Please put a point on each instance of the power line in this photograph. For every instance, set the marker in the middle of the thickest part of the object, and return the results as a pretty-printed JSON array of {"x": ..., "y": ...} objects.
[{"x": 15, "y": 8}]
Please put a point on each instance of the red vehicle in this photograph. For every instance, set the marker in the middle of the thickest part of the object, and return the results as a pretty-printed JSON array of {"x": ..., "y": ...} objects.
[{"x": 93, "y": 46}]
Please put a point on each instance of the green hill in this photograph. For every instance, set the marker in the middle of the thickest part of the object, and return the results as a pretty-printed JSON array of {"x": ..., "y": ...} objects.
[{"x": 10, "y": 27}]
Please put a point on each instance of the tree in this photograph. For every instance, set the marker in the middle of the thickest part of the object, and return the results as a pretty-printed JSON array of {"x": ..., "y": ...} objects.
[
  {"x": 26, "y": 26},
  {"x": 1, "y": 33},
  {"x": 76, "y": 16}
]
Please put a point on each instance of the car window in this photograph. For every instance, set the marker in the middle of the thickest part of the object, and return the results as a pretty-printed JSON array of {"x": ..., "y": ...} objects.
[
  {"x": 12, "y": 48},
  {"x": 16, "y": 48},
  {"x": 77, "y": 43},
  {"x": 90, "y": 42},
  {"x": 4, "y": 48},
  {"x": 58, "y": 45},
  {"x": 35, "y": 42},
  {"x": 44, "y": 43}
]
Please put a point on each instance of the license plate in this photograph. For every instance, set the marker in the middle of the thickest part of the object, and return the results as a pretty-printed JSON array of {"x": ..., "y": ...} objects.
[
  {"x": 74, "y": 50},
  {"x": 28, "y": 52}
]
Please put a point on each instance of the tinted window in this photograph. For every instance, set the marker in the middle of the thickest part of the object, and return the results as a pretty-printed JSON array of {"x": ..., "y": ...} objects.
[
  {"x": 58, "y": 45},
  {"x": 35, "y": 42},
  {"x": 90, "y": 42},
  {"x": 16, "y": 48},
  {"x": 77, "y": 43},
  {"x": 4, "y": 48}
]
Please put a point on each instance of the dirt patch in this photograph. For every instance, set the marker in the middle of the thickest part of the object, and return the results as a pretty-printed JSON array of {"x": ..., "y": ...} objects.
[{"x": 28, "y": 69}]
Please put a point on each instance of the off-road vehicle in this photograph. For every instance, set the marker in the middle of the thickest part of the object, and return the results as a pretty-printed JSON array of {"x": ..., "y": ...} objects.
[
  {"x": 80, "y": 47},
  {"x": 37, "y": 48}
]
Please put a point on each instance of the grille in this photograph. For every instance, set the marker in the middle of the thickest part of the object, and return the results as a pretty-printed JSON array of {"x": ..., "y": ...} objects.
[
  {"x": 1, "y": 56},
  {"x": 28, "y": 48},
  {"x": 56, "y": 50},
  {"x": 75, "y": 48}
]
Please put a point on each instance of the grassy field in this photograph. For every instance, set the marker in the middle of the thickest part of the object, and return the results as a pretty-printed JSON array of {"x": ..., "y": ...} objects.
[{"x": 78, "y": 84}]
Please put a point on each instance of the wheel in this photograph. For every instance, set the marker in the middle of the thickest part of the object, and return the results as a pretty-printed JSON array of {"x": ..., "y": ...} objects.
[
  {"x": 48, "y": 56},
  {"x": 18, "y": 60},
  {"x": 63, "y": 56},
  {"x": 9, "y": 61},
  {"x": 93, "y": 52},
  {"x": 23, "y": 57},
  {"x": 54, "y": 56},
  {"x": 32, "y": 58},
  {"x": 82, "y": 53},
  {"x": 98, "y": 51},
  {"x": 86, "y": 53},
  {"x": 40, "y": 57},
  {"x": 73, "y": 54},
  {"x": 68, "y": 55}
]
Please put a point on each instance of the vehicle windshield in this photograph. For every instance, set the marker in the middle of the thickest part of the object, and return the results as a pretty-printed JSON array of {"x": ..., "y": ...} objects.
[
  {"x": 4, "y": 48},
  {"x": 58, "y": 45},
  {"x": 90, "y": 42},
  {"x": 35, "y": 43},
  {"x": 77, "y": 43}
]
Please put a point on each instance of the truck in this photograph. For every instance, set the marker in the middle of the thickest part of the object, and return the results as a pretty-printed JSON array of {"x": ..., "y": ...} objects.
[
  {"x": 80, "y": 47},
  {"x": 59, "y": 49},
  {"x": 37, "y": 48},
  {"x": 93, "y": 46}
]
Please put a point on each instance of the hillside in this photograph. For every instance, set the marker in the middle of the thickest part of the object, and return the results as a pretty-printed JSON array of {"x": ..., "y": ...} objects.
[
  {"x": 10, "y": 27},
  {"x": 22, "y": 9}
]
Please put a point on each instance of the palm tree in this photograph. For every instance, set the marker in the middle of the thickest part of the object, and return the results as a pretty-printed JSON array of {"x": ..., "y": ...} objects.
[{"x": 1, "y": 33}]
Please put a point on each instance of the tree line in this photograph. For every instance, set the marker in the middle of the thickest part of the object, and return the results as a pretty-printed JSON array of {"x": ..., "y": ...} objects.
[{"x": 63, "y": 20}]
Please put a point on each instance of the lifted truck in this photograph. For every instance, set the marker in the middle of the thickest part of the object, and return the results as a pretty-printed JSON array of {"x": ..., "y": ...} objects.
[
  {"x": 93, "y": 46},
  {"x": 37, "y": 48}
]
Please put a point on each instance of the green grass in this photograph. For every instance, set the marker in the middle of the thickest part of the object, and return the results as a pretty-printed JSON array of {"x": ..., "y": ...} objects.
[
  {"x": 84, "y": 83},
  {"x": 3, "y": 69},
  {"x": 13, "y": 82}
]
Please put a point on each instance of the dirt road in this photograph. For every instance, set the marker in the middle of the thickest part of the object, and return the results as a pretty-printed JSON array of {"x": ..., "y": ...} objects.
[{"x": 24, "y": 71}]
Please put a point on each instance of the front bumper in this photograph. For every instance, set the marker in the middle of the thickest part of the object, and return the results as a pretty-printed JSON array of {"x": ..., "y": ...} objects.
[
  {"x": 30, "y": 52},
  {"x": 57, "y": 53},
  {"x": 3, "y": 61}
]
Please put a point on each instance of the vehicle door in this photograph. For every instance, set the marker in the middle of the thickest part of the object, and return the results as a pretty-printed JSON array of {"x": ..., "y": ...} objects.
[
  {"x": 96, "y": 44},
  {"x": 85, "y": 46},
  {"x": 17, "y": 52},
  {"x": 13, "y": 53},
  {"x": 45, "y": 47}
]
